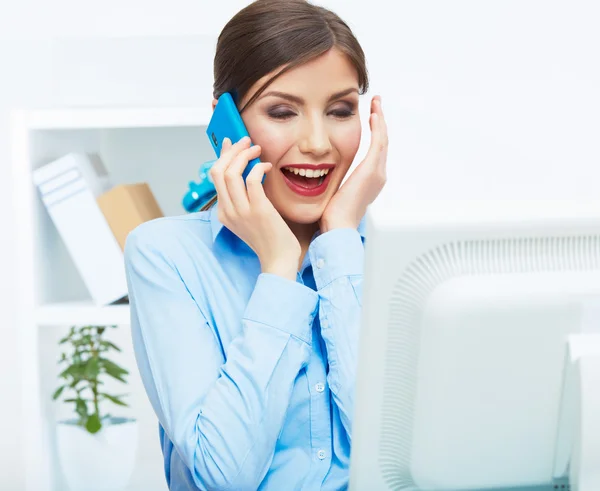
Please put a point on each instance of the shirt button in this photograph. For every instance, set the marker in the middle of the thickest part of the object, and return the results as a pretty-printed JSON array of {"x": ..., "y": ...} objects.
[
  {"x": 320, "y": 387},
  {"x": 321, "y": 454},
  {"x": 320, "y": 263}
]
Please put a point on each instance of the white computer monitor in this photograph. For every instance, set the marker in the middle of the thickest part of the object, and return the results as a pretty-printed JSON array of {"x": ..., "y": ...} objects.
[{"x": 479, "y": 356}]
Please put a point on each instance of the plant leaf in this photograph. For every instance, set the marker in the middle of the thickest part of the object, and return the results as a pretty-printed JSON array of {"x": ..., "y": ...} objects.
[
  {"x": 65, "y": 339},
  {"x": 74, "y": 383},
  {"x": 113, "y": 366},
  {"x": 108, "y": 344},
  {"x": 58, "y": 392},
  {"x": 81, "y": 408},
  {"x": 113, "y": 370},
  {"x": 85, "y": 340},
  {"x": 92, "y": 368},
  {"x": 76, "y": 370},
  {"x": 65, "y": 373},
  {"x": 115, "y": 399},
  {"x": 93, "y": 424}
]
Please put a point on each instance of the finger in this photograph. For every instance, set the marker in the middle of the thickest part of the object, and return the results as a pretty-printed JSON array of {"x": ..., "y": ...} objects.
[
  {"x": 238, "y": 165},
  {"x": 376, "y": 99},
  {"x": 235, "y": 182},
  {"x": 384, "y": 129},
  {"x": 384, "y": 134},
  {"x": 218, "y": 180},
  {"x": 256, "y": 192},
  {"x": 226, "y": 145},
  {"x": 379, "y": 139},
  {"x": 380, "y": 148},
  {"x": 375, "y": 125},
  {"x": 228, "y": 153}
]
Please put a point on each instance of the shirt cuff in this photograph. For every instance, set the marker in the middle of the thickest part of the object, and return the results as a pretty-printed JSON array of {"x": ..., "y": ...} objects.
[
  {"x": 336, "y": 253},
  {"x": 284, "y": 305}
]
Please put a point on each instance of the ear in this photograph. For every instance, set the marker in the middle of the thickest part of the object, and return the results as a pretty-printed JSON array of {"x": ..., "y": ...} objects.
[{"x": 214, "y": 103}]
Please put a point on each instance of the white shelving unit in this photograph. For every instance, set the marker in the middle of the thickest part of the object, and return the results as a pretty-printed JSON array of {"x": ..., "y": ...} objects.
[
  {"x": 161, "y": 146},
  {"x": 80, "y": 313}
]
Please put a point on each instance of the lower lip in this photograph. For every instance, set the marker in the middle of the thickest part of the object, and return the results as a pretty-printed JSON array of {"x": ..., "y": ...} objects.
[{"x": 320, "y": 189}]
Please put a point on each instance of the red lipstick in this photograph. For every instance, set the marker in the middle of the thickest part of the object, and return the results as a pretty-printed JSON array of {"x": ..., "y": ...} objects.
[
  {"x": 310, "y": 186},
  {"x": 308, "y": 166}
]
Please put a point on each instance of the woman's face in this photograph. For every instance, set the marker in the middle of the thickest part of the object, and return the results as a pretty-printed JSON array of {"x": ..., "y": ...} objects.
[{"x": 308, "y": 117}]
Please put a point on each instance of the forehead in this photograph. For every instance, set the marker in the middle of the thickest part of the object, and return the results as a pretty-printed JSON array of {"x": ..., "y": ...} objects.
[{"x": 324, "y": 75}]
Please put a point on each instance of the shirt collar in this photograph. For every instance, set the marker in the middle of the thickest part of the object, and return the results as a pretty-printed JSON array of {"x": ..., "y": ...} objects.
[
  {"x": 216, "y": 226},
  {"x": 362, "y": 226}
]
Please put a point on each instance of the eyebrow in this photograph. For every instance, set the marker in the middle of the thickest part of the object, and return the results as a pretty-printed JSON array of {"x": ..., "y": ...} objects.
[{"x": 299, "y": 100}]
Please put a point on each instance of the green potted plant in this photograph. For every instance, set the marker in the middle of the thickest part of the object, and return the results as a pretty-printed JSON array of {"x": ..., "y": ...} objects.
[{"x": 96, "y": 450}]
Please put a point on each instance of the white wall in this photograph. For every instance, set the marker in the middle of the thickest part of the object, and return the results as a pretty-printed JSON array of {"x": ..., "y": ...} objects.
[
  {"x": 484, "y": 99},
  {"x": 17, "y": 87}
]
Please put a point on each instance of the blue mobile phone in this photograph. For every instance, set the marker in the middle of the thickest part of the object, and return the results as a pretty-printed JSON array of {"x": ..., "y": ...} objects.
[{"x": 226, "y": 121}]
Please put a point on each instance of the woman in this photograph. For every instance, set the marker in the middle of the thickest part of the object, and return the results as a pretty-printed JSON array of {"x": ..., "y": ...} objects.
[{"x": 245, "y": 315}]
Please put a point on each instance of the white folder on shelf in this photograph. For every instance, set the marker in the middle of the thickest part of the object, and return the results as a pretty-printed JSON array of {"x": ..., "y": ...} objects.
[{"x": 68, "y": 188}]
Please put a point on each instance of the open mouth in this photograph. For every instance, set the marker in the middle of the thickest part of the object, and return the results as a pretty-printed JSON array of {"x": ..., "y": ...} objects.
[
  {"x": 306, "y": 185},
  {"x": 305, "y": 181}
]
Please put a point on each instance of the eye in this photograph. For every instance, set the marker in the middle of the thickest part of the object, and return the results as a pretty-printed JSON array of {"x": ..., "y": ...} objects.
[
  {"x": 343, "y": 111},
  {"x": 279, "y": 112}
]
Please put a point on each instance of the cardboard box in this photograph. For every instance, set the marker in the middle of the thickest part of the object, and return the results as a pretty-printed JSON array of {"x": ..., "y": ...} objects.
[
  {"x": 68, "y": 188},
  {"x": 126, "y": 206}
]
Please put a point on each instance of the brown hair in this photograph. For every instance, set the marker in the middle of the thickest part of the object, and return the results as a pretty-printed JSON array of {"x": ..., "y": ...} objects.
[{"x": 268, "y": 35}]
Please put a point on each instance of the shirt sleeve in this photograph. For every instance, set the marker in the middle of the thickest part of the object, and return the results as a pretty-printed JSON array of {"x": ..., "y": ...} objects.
[
  {"x": 222, "y": 415},
  {"x": 337, "y": 257}
]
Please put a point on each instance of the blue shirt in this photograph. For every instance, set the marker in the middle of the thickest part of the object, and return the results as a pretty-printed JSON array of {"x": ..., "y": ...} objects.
[{"x": 251, "y": 375}]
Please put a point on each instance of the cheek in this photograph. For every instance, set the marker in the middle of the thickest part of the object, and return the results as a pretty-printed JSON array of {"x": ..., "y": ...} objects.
[
  {"x": 272, "y": 138},
  {"x": 346, "y": 139}
]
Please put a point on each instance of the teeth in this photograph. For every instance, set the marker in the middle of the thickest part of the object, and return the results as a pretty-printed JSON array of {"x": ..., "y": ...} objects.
[{"x": 308, "y": 172}]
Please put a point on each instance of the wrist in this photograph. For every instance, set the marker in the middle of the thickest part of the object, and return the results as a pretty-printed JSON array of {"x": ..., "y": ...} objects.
[
  {"x": 285, "y": 269},
  {"x": 326, "y": 227}
]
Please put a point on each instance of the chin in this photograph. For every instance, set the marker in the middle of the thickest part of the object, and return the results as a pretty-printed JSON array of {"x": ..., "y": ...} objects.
[{"x": 303, "y": 213}]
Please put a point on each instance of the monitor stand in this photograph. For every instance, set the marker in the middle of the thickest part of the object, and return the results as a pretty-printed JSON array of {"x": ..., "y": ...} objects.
[{"x": 577, "y": 454}]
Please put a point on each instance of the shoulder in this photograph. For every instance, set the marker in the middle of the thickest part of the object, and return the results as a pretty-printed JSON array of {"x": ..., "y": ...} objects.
[{"x": 170, "y": 237}]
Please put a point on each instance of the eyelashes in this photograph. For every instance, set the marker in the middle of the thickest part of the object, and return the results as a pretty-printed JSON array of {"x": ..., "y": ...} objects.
[
  {"x": 342, "y": 113},
  {"x": 284, "y": 113},
  {"x": 279, "y": 114}
]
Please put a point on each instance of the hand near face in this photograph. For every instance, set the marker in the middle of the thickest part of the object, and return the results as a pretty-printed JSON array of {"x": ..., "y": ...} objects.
[
  {"x": 248, "y": 213},
  {"x": 349, "y": 204}
]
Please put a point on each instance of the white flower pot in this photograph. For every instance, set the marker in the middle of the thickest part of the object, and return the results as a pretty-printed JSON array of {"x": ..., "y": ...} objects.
[{"x": 97, "y": 462}]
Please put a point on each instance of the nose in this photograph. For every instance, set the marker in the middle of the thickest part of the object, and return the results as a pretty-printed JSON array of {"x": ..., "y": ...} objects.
[{"x": 315, "y": 139}]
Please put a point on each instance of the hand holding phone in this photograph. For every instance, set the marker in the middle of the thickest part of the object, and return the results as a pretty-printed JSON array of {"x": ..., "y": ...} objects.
[
  {"x": 226, "y": 122},
  {"x": 245, "y": 209}
]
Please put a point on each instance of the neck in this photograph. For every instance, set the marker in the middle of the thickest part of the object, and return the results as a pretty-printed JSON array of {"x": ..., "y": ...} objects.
[{"x": 304, "y": 233}]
